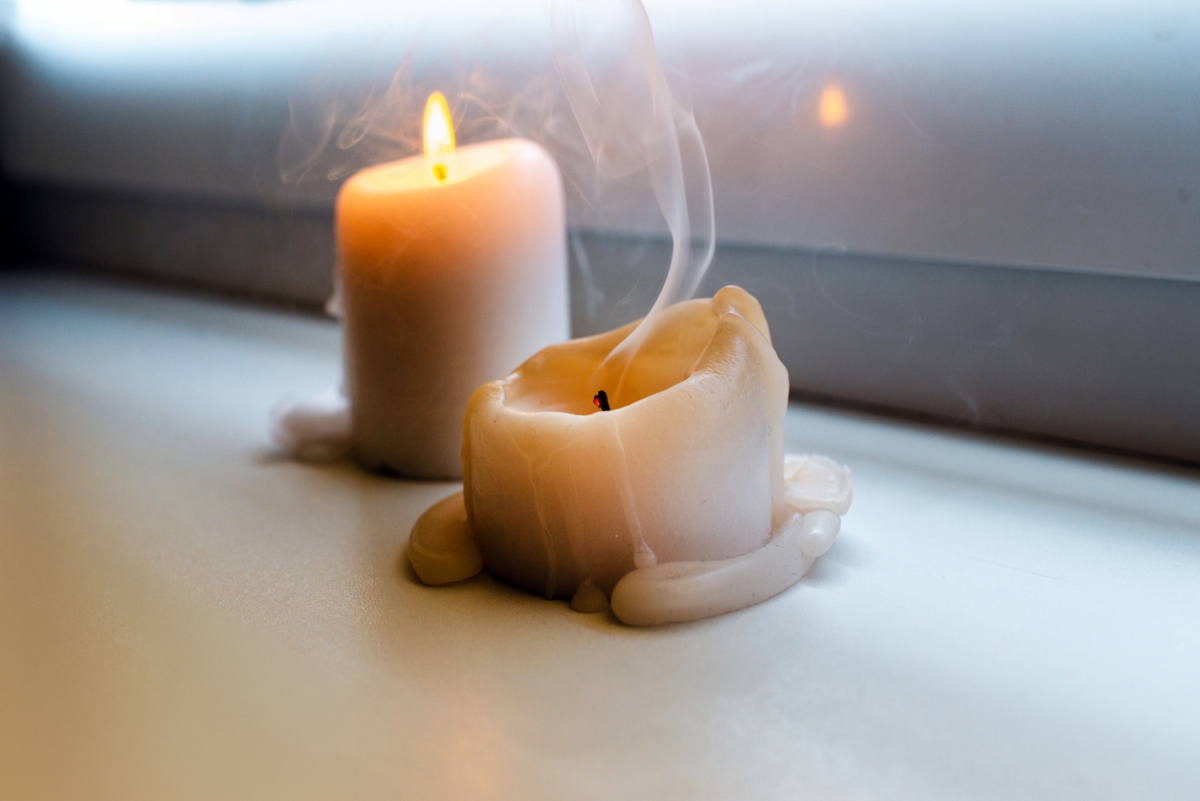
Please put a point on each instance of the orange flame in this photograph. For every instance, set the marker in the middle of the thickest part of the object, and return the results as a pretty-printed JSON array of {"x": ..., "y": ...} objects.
[{"x": 439, "y": 137}]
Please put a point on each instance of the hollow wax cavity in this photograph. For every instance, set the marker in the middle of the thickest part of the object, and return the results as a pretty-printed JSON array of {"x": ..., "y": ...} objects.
[{"x": 316, "y": 430}]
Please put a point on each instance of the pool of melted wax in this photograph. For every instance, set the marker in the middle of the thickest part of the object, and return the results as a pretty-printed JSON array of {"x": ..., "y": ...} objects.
[{"x": 442, "y": 550}]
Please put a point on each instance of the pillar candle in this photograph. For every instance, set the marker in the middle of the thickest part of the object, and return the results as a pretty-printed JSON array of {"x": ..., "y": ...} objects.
[{"x": 452, "y": 271}]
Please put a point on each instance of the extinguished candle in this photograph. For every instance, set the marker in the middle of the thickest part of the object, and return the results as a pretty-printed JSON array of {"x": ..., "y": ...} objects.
[
  {"x": 670, "y": 494},
  {"x": 452, "y": 271}
]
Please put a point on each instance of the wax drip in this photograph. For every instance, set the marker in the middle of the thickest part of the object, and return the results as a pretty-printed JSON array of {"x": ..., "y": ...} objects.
[
  {"x": 589, "y": 599},
  {"x": 539, "y": 502},
  {"x": 643, "y": 556},
  {"x": 316, "y": 430},
  {"x": 601, "y": 400},
  {"x": 571, "y": 507}
]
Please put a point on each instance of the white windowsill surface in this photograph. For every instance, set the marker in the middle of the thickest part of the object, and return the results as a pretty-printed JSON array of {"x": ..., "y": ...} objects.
[{"x": 184, "y": 614}]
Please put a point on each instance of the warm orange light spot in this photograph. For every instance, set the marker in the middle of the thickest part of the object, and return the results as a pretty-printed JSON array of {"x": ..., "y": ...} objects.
[
  {"x": 439, "y": 137},
  {"x": 832, "y": 108}
]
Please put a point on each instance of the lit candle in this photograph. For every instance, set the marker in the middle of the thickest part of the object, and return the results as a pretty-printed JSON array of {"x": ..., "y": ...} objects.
[
  {"x": 676, "y": 500},
  {"x": 452, "y": 271}
]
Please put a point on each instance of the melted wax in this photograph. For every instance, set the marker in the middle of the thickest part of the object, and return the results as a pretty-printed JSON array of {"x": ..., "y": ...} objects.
[{"x": 677, "y": 504}]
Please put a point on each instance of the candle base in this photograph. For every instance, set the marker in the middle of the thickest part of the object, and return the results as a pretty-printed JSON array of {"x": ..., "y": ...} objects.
[{"x": 442, "y": 550}]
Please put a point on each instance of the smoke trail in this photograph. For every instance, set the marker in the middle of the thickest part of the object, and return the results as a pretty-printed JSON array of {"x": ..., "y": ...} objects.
[{"x": 611, "y": 75}]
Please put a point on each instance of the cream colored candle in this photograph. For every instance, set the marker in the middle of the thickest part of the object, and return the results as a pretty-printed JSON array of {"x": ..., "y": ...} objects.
[
  {"x": 678, "y": 502},
  {"x": 452, "y": 271}
]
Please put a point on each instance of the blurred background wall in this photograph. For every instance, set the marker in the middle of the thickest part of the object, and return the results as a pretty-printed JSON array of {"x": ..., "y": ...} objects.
[{"x": 986, "y": 211}]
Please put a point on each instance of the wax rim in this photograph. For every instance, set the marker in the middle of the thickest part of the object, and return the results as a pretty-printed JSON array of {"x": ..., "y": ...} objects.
[
  {"x": 617, "y": 336},
  {"x": 473, "y": 160}
]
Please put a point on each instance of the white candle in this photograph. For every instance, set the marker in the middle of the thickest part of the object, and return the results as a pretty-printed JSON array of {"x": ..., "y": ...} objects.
[
  {"x": 452, "y": 271},
  {"x": 678, "y": 502}
]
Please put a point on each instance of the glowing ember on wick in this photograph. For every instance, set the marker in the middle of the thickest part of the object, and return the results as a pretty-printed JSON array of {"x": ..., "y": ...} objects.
[{"x": 601, "y": 400}]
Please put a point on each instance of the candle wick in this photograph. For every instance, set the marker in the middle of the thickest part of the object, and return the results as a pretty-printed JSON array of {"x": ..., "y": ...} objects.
[{"x": 601, "y": 400}]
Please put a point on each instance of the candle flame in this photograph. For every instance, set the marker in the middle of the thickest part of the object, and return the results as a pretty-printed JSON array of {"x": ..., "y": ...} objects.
[
  {"x": 832, "y": 107},
  {"x": 439, "y": 137}
]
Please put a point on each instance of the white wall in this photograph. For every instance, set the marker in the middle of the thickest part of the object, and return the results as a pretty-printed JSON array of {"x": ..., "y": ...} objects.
[{"x": 1003, "y": 132}]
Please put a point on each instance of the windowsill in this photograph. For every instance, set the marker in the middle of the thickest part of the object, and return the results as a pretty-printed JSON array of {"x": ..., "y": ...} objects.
[{"x": 180, "y": 608}]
